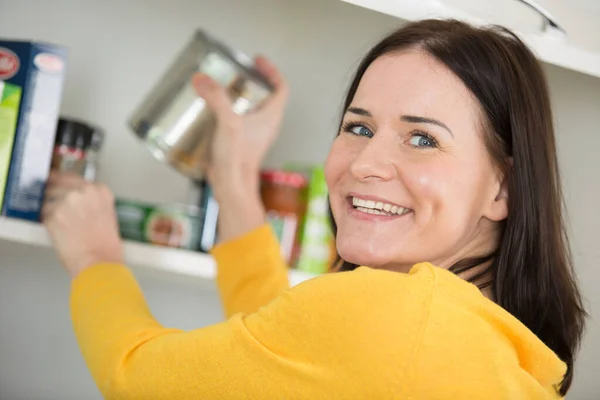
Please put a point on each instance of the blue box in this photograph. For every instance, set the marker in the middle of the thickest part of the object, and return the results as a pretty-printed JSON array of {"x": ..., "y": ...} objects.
[{"x": 39, "y": 70}]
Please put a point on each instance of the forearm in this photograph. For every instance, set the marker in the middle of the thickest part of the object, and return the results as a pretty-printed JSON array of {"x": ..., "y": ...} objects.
[
  {"x": 110, "y": 319},
  {"x": 251, "y": 271},
  {"x": 131, "y": 356},
  {"x": 240, "y": 206}
]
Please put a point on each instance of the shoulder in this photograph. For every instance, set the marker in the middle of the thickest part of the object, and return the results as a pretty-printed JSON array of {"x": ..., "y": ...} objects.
[
  {"x": 359, "y": 318},
  {"x": 372, "y": 287},
  {"x": 365, "y": 301}
]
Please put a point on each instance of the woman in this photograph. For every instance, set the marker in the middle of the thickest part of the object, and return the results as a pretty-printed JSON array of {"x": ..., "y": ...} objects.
[{"x": 443, "y": 181}]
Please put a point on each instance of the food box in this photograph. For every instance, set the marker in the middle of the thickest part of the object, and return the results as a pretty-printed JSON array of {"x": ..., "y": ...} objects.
[
  {"x": 10, "y": 98},
  {"x": 32, "y": 76},
  {"x": 171, "y": 225}
]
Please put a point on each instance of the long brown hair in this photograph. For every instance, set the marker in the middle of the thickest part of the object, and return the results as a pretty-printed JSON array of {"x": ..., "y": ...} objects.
[{"x": 531, "y": 273}]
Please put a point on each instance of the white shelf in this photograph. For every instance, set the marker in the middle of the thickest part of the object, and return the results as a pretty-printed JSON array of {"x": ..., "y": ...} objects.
[
  {"x": 549, "y": 49},
  {"x": 143, "y": 255}
]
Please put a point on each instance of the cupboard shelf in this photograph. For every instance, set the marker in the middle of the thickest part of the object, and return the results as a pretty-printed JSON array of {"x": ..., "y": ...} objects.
[
  {"x": 185, "y": 262},
  {"x": 549, "y": 49}
]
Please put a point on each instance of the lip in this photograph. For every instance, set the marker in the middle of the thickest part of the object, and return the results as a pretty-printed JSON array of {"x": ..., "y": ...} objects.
[{"x": 353, "y": 212}]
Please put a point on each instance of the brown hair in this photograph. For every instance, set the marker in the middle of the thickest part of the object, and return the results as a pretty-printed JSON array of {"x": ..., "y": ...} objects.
[{"x": 531, "y": 272}]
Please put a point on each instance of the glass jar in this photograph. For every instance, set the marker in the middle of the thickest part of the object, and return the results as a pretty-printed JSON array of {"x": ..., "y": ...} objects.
[
  {"x": 284, "y": 197},
  {"x": 76, "y": 148}
]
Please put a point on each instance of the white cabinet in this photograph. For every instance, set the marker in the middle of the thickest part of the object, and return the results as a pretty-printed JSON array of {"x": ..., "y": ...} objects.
[{"x": 550, "y": 45}]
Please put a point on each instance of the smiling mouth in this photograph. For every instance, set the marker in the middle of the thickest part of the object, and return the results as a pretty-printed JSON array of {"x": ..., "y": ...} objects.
[{"x": 378, "y": 207}]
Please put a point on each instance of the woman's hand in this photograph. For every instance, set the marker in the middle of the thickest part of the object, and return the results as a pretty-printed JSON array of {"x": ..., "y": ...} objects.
[
  {"x": 238, "y": 149},
  {"x": 82, "y": 222},
  {"x": 241, "y": 141}
]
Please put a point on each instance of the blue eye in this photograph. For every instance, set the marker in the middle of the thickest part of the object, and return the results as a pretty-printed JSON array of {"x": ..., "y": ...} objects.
[
  {"x": 421, "y": 140},
  {"x": 358, "y": 130}
]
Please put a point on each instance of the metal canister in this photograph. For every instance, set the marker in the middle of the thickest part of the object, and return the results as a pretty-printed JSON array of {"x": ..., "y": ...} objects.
[{"x": 175, "y": 123}]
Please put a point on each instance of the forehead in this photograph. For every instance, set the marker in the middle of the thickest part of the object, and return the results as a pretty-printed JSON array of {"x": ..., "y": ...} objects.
[{"x": 414, "y": 82}]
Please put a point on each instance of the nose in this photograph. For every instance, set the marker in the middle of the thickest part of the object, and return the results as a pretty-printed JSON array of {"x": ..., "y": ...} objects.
[{"x": 374, "y": 162}]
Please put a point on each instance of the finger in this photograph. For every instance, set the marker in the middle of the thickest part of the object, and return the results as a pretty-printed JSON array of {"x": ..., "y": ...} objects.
[
  {"x": 105, "y": 193},
  {"x": 66, "y": 179},
  {"x": 48, "y": 210},
  {"x": 54, "y": 193},
  {"x": 275, "y": 77},
  {"x": 61, "y": 183},
  {"x": 270, "y": 71},
  {"x": 214, "y": 95}
]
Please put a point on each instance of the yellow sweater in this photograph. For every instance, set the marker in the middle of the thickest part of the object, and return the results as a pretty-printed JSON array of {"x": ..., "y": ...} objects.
[{"x": 365, "y": 334}]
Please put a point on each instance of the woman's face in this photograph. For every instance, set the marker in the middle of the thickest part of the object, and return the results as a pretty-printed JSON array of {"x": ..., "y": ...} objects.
[{"x": 409, "y": 176}]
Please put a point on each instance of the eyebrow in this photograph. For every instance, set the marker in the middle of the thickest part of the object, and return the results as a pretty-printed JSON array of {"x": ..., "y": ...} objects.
[{"x": 406, "y": 118}]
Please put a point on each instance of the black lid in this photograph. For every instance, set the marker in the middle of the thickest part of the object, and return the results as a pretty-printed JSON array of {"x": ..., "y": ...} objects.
[{"x": 75, "y": 134}]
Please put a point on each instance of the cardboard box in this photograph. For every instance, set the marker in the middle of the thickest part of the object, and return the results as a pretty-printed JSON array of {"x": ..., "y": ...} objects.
[
  {"x": 37, "y": 70},
  {"x": 10, "y": 98}
]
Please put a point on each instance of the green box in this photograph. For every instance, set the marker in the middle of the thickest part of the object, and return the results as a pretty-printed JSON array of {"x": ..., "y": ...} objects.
[
  {"x": 10, "y": 98},
  {"x": 169, "y": 225}
]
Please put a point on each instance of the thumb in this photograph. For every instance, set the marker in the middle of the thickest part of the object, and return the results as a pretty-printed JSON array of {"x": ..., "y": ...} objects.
[{"x": 214, "y": 95}]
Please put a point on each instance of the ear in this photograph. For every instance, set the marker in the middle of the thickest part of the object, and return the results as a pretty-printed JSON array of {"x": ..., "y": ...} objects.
[{"x": 498, "y": 207}]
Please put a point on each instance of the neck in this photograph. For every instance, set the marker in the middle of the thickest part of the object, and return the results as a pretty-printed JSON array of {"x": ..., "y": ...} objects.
[{"x": 481, "y": 276}]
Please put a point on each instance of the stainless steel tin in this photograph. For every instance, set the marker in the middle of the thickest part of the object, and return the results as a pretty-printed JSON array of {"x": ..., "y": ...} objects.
[{"x": 175, "y": 123}]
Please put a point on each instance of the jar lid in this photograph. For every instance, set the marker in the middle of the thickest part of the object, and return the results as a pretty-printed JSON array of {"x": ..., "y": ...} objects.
[
  {"x": 76, "y": 134},
  {"x": 287, "y": 178}
]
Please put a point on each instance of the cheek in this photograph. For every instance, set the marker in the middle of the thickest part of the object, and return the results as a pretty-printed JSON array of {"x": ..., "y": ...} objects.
[
  {"x": 430, "y": 185},
  {"x": 447, "y": 195},
  {"x": 440, "y": 196},
  {"x": 336, "y": 169},
  {"x": 337, "y": 164}
]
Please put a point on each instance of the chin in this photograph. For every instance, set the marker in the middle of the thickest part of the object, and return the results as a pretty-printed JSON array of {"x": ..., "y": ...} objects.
[{"x": 362, "y": 253}]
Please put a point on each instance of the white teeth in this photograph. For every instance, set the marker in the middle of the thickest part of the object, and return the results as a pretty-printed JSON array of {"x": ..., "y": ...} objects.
[
  {"x": 356, "y": 202},
  {"x": 377, "y": 207}
]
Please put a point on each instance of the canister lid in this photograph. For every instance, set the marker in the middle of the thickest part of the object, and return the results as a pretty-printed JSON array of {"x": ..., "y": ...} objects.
[
  {"x": 76, "y": 134},
  {"x": 287, "y": 178}
]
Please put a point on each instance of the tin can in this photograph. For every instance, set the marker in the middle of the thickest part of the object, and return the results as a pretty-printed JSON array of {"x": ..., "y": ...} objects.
[{"x": 175, "y": 123}]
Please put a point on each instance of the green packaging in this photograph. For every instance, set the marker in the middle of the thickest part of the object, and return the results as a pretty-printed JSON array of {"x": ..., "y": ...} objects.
[
  {"x": 176, "y": 226},
  {"x": 10, "y": 98},
  {"x": 317, "y": 246}
]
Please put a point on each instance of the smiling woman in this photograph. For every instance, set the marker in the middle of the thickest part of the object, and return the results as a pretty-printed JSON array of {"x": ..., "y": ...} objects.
[{"x": 454, "y": 281}]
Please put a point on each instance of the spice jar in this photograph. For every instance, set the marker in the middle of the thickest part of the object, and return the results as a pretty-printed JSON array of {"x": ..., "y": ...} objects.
[
  {"x": 76, "y": 147},
  {"x": 284, "y": 196}
]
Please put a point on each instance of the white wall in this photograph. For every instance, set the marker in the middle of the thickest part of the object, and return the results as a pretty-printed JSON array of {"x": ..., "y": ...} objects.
[
  {"x": 39, "y": 357},
  {"x": 118, "y": 48},
  {"x": 576, "y": 101}
]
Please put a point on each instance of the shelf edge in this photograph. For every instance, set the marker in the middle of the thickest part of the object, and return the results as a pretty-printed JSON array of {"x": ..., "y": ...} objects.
[{"x": 140, "y": 255}]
